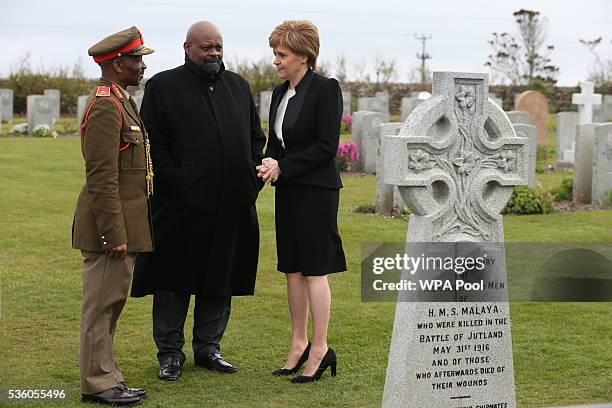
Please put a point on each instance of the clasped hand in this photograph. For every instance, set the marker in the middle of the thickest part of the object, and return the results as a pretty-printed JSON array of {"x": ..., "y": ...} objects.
[{"x": 268, "y": 170}]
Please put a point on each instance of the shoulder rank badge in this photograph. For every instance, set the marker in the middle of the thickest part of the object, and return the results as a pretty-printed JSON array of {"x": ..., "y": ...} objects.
[
  {"x": 117, "y": 92},
  {"x": 103, "y": 90}
]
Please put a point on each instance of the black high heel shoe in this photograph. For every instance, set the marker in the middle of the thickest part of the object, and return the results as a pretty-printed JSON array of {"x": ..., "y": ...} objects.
[
  {"x": 289, "y": 371},
  {"x": 329, "y": 360}
]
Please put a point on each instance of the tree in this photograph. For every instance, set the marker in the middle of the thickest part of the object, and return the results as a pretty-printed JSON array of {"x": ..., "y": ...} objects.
[
  {"x": 360, "y": 71},
  {"x": 600, "y": 71},
  {"x": 341, "y": 68},
  {"x": 261, "y": 74},
  {"x": 523, "y": 59},
  {"x": 385, "y": 70}
]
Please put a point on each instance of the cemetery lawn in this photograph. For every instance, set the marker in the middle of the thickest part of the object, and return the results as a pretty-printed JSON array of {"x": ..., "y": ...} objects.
[{"x": 562, "y": 352}]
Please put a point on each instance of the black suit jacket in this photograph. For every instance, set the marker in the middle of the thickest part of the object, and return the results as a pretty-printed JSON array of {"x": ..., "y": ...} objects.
[{"x": 311, "y": 132}]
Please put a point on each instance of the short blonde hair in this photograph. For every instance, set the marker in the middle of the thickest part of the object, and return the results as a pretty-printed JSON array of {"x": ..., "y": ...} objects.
[{"x": 300, "y": 36}]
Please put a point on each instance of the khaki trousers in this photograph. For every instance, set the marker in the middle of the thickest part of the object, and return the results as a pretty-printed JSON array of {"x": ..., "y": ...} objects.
[{"x": 106, "y": 284}]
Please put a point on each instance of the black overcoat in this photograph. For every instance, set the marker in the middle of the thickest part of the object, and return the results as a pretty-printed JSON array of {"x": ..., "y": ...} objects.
[{"x": 206, "y": 141}]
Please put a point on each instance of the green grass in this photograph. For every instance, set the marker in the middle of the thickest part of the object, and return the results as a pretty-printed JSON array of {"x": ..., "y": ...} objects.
[{"x": 562, "y": 352}]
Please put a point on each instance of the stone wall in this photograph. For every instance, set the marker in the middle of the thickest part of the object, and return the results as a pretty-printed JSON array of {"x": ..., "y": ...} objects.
[{"x": 559, "y": 98}]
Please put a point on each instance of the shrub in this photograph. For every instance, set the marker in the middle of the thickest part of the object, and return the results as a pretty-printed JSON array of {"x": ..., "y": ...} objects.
[
  {"x": 527, "y": 200},
  {"x": 261, "y": 74},
  {"x": 347, "y": 153},
  {"x": 403, "y": 213},
  {"x": 564, "y": 191},
  {"x": 366, "y": 209},
  {"x": 607, "y": 200}
]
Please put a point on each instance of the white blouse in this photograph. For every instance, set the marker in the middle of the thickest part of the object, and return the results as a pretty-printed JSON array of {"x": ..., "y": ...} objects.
[{"x": 280, "y": 115}]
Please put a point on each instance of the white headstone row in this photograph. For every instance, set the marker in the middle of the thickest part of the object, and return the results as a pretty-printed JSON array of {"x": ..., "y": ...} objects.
[
  {"x": 384, "y": 192},
  {"x": 41, "y": 110},
  {"x": 138, "y": 96},
  {"x": 603, "y": 113},
  {"x": 518, "y": 117},
  {"x": 346, "y": 103},
  {"x": 265, "y": 100},
  {"x": 6, "y": 101},
  {"x": 81, "y": 100},
  {"x": 377, "y": 103},
  {"x": 567, "y": 123},
  {"x": 55, "y": 96},
  {"x": 365, "y": 134},
  {"x": 593, "y": 168},
  {"x": 530, "y": 133},
  {"x": 408, "y": 104}
]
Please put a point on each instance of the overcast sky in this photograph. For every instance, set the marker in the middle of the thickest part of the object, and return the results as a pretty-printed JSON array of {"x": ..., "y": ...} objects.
[{"x": 60, "y": 32}]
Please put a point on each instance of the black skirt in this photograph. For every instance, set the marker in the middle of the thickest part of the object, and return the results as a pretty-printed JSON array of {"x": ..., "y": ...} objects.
[{"x": 307, "y": 238}]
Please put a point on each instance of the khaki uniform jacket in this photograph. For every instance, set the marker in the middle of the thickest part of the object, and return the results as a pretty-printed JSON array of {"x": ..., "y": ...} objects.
[{"x": 113, "y": 206}]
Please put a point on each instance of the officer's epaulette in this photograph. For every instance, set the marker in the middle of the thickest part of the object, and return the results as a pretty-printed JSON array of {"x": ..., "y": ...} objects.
[{"x": 103, "y": 90}]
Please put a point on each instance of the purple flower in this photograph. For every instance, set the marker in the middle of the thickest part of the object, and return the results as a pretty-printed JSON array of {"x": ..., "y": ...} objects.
[
  {"x": 347, "y": 153},
  {"x": 348, "y": 119}
]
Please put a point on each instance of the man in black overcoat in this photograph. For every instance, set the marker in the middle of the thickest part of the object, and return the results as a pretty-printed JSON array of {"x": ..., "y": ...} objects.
[{"x": 206, "y": 141}]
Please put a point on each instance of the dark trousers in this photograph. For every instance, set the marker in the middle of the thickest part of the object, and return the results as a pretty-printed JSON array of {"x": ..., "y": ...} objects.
[{"x": 211, "y": 315}]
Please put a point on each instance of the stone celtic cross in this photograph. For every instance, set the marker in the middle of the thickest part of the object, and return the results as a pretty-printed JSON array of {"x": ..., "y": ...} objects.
[
  {"x": 585, "y": 101},
  {"x": 456, "y": 161}
]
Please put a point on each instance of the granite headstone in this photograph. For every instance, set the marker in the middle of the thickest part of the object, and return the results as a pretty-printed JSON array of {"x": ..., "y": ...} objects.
[
  {"x": 357, "y": 136},
  {"x": 81, "y": 100},
  {"x": 384, "y": 192},
  {"x": 138, "y": 96},
  {"x": 346, "y": 103},
  {"x": 456, "y": 161},
  {"x": 407, "y": 106},
  {"x": 55, "y": 96},
  {"x": 373, "y": 104},
  {"x": 518, "y": 117},
  {"x": 41, "y": 110},
  {"x": 602, "y": 163},
  {"x": 529, "y": 132},
  {"x": 6, "y": 95},
  {"x": 536, "y": 104},
  {"x": 369, "y": 142},
  {"x": 566, "y": 137},
  {"x": 265, "y": 100},
  {"x": 583, "y": 166},
  {"x": 603, "y": 113}
]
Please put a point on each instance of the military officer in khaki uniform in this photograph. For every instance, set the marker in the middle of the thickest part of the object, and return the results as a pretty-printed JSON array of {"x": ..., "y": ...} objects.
[{"x": 111, "y": 222}]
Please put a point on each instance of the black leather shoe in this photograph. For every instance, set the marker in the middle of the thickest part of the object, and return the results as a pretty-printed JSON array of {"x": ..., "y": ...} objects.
[
  {"x": 139, "y": 392},
  {"x": 290, "y": 371},
  {"x": 214, "y": 361},
  {"x": 170, "y": 369},
  {"x": 117, "y": 396}
]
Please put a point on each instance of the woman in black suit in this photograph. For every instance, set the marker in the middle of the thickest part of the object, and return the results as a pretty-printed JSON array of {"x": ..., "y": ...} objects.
[{"x": 300, "y": 160}]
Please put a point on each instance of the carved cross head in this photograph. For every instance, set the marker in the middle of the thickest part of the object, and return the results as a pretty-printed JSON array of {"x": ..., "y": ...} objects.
[
  {"x": 587, "y": 95},
  {"x": 457, "y": 159}
]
